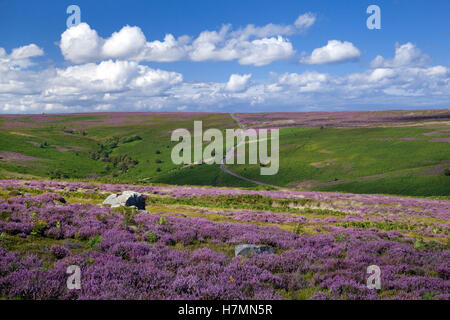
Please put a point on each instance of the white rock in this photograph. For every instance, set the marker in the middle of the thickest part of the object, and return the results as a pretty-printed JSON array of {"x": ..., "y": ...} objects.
[{"x": 126, "y": 199}]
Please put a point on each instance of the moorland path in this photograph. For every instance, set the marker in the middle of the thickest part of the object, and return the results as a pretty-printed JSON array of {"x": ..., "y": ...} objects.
[{"x": 231, "y": 151}]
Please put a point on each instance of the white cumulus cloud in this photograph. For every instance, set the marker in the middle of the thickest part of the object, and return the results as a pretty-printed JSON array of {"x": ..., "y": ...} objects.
[
  {"x": 302, "y": 24},
  {"x": 334, "y": 52},
  {"x": 127, "y": 85},
  {"x": 81, "y": 44},
  {"x": 126, "y": 43},
  {"x": 109, "y": 76},
  {"x": 405, "y": 55},
  {"x": 19, "y": 57},
  {"x": 26, "y": 52},
  {"x": 238, "y": 82},
  {"x": 305, "y": 82},
  {"x": 168, "y": 50},
  {"x": 250, "y": 45},
  {"x": 305, "y": 21}
]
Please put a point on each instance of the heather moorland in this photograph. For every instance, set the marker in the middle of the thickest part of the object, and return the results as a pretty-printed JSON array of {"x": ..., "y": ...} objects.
[
  {"x": 353, "y": 190},
  {"x": 383, "y": 152},
  {"x": 182, "y": 245}
]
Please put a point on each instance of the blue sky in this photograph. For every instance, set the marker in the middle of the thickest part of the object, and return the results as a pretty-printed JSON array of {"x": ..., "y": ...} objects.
[{"x": 280, "y": 74}]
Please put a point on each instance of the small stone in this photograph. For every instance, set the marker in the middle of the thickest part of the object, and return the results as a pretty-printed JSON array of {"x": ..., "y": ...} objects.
[
  {"x": 44, "y": 248},
  {"x": 249, "y": 249},
  {"x": 71, "y": 244},
  {"x": 15, "y": 193}
]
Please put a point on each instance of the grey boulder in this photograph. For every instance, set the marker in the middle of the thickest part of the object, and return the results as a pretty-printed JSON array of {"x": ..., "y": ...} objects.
[
  {"x": 126, "y": 199},
  {"x": 71, "y": 244},
  {"x": 250, "y": 249}
]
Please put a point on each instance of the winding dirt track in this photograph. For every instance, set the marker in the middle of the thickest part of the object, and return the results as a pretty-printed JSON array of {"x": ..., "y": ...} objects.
[{"x": 231, "y": 151}]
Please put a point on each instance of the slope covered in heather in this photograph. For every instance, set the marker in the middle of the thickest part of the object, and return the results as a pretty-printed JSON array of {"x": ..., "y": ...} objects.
[{"x": 182, "y": 245}]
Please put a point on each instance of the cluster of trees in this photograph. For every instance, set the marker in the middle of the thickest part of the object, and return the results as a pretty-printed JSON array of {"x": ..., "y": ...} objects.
[
  {"x": 57, "y": 174},
  {"x": 72, "y": 131},
  {"x": 114, "y": 142},
  {"x": 123, "y": 162},
  {"x": 44, "y": 145}
]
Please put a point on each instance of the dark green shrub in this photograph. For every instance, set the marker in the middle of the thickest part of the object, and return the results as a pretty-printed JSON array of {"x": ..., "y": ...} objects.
[
  {"x": 39, "y": 228},
  {"x": 57, "y": 174},
  {"x": 44, "y": 144},
  {"x": 129, "y": 139},
  {"x": 94, "y": 241},
  {"x": 162, "y": 221},
  {"x": 298, "y": 229},
  {"x": 419, "y": 244},
  {"x": 152, "y": 237}
]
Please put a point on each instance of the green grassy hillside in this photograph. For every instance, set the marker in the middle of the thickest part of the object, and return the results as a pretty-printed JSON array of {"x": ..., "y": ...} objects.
[
  {"x": 392, "y": 160},
  {"x": 73, "y": 147},
  {"x": 136, "y": 148}
]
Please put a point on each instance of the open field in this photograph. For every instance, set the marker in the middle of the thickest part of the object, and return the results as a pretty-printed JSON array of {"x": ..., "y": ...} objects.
[
  {"x": 232, "y": 157},
  {"x": 389, "y": 152},
  {"x": 344, "y": 119},
  {"x": 391, "y": 160},
  {"x": 182, "y": 245},
  {"x": 74, "y": 147},
  {"x": 58, "y": 169}
]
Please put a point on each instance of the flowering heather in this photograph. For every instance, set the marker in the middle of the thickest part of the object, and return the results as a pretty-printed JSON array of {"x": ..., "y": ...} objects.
[
  {"x": 347, "y": 202},
  {"x": 129, "y": 254},
  {"x": 15, "y": 156},
  {"x": 59, "y": 252},
  {"x": 340, "y": 119},
  {"x": 441, "y": 140},
  {"x": 86, "y": 120}
]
